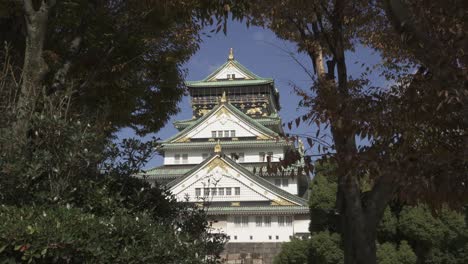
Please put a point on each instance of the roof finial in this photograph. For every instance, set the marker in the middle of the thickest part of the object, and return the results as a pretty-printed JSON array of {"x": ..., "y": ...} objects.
[
  {"x": 217, "y": 148},
  {"x": 224, "y": 97},
  {"x": 231, "y": 54}
]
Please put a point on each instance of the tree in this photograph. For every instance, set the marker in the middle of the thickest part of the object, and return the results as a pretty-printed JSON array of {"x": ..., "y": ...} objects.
[
  {"x": 406, "y": 234},
  {"x": 74, "y": 72},
  {"x": 416, "y": 146},
  {"x": 325, "y": 247},
  {"x": 293, "y": 252},
  {"x": 388, "y": 253},
  {"x": 121, "y": 59},
  {"x": 79, "y": 203}
]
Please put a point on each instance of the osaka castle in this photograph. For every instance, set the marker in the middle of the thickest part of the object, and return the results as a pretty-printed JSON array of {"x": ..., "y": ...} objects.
[{"x": 220, "y": 157}]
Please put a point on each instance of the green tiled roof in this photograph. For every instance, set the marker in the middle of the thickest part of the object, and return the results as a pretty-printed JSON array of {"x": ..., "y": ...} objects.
[
  {"x": 174, "y": 171},
  {"x": 273, "y": 188},
  {"x": 252, "y": 79},
  {"x": 274, "y": 209},
  {"x": 227, "y": 83},
  {"x": 233, "y": 110},
  {"x": 227, "y": 144}
]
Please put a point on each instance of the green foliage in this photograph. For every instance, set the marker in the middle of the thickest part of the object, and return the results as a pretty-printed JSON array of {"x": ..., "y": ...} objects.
[
  {"x": 406, "y": 234},
  {"x": 78, "y": 202},
  {"x": 388, "y": 225},
  {"x": 322, "y": 199},
  {"x": 69, "y": 235},
  {"x": 439, "y": 238},
  {"x": 322, "y": 191},
  {"x": 325, "y": 248},
  {"x": 322, "y": 248},
  {"x": 388, "y": 253},
  {"x": 293, "y": 252},
  {"x": 419, "y": 224}
]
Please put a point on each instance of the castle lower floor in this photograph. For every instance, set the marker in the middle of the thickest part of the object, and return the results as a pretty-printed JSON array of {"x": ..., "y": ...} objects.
[{"x": 258, "y": 228}]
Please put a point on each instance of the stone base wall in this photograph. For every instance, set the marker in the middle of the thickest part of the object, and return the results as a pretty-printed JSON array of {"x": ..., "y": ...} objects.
[{"x": 250, "y": 253}]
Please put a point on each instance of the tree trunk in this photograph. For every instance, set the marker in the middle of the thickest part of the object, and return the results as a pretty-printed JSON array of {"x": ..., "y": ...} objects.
[
  {"x": 358, "y": 227},
  {"x": 34, "y": 66}
]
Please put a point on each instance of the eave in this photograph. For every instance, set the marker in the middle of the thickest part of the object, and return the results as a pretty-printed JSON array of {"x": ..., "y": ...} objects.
[{"x": 272, "y": 210}]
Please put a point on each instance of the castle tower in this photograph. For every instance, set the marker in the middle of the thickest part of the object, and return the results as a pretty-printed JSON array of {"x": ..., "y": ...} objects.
[{"x": 222, "y": 156}]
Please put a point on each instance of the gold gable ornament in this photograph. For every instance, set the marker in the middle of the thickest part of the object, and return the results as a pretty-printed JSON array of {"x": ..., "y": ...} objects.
[
  {"x": 217, "y": 148},
  {"x": 223, "y": 97},
  {"x": 217, "y": 163},
  {"x": 231, "y": 54}
]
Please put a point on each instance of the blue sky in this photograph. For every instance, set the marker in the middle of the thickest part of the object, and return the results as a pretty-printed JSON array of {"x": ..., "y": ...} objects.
[{"x": 264, "y": 54}]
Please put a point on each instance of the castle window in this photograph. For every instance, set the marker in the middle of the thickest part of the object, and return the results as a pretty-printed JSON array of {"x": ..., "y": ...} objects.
[
  {"x": 229, "y": 76},
  {"x": 213, "y": 134},
  {"x": 204, "y": 156},
  {"x": 177, "y": 158},
  {"x": 221, "y": 191},
  {"x": 226, "y": 133},
  {"x": 258, "y": 221},
  {"x": 278, "y": 182},
  {"x": 285, "y": 183},
  {"x": 280, "y": 220},
  {"x": 184, "y": 158},
  {"x": 237, "y": 221},
  {"x": 241, "y": 157},
  {"x": 237, "y": 191},
  {"x": 228, "y": 191},
  {"x": 220, "y": 133},
  {"x": 277, "y": 237},
  {"x": 261, "y": 156},
  {"x": 235, "y": 237},
  {"x": 245, "y": 221},
  {"x": 269, "y": 237},
  {"x": 251, "y": 237},
  {"x": 197, "y": 192},
  {"x": 213, "y": 191},
  {"x": 206, "y": 191},
  {"x": 267, "y": 220},
  {"x": 288, "y": 220},
  {"x": 233, "y": 133},
  {"x": 233, "y": 76}
]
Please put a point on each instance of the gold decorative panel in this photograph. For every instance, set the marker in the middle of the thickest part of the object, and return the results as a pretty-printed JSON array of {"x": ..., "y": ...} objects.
[
  {"x": 281, "y": 202},
  {"x": 218, "y": 162},
  {"x": 182, "y": 140}
]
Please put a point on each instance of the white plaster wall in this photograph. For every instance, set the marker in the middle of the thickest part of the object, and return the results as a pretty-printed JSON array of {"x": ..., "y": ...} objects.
[
  {"x": 230, "y": 69},
  {"x": 222, "y": 175},
  {"x": 223, "y": 120},
  {"x": 259, "y": 234},
  {"x": 241, "y": 234},
  {"x": 247, "y": 192},
  {"x": 292, "y": 184},
  {"x": 253, "y": 155},
  {"x": 301, "y": 224},
  {"x": 196, "y": 156}
]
